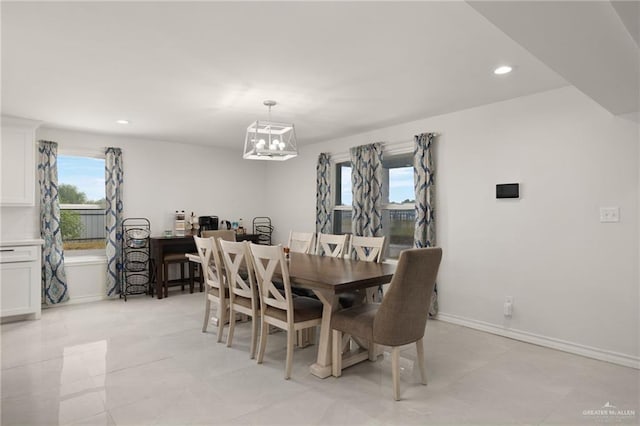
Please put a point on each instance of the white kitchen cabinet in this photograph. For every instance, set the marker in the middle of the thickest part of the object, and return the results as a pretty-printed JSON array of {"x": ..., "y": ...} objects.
[
  {"x": 20, "y": 274},
  {"x": 18, "y": 162}
]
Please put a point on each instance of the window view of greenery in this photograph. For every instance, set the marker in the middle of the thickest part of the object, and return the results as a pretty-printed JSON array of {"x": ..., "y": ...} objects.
[{"x": 82, "y": 202}]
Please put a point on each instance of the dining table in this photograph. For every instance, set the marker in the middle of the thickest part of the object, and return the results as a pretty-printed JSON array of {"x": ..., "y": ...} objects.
[{"x": 328, "y": 277}]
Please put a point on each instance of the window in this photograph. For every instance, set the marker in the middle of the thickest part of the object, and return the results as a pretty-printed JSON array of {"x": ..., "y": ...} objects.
[
  {"x": 82, "y": 203},
  {"x": 398, "y": 214},
  {"x": 342, "y": 209},
  {"x": 398, "y": 210}
]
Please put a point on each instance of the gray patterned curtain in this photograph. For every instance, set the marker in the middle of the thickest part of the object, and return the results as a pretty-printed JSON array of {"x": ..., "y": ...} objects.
[
  {"x": 113, "y": 218},
  {"x": 323, "y": 194},
  {"x": 424, "y": 185},
  {"x": 54, "y": 278},
  {"x": 366, "y": 181}
]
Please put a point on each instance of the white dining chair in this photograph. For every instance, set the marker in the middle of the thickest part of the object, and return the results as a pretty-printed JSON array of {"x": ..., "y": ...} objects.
[
  {"x": 301, "y": 242},
  {"x": 331, "y": 245},
  {"x": 369, "y": 249},
  {"x": 243, "y": 291},
  {"x": 281, "y": 309},
  {"x": 215, "y": 281}
]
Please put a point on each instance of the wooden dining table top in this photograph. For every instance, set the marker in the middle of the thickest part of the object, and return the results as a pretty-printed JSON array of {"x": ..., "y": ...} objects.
[{"x": 336, "y": 275}]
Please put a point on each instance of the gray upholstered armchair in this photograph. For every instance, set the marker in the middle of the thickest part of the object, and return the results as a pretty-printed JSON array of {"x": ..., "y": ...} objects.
[{"x": 400, "y": 319}]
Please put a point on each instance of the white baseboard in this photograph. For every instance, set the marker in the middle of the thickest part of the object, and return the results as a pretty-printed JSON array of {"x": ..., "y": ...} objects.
[
  {"x": 87, "y": 299},
  {"x": 549, "y": 342},
  {"x": 77, "y": 301}
]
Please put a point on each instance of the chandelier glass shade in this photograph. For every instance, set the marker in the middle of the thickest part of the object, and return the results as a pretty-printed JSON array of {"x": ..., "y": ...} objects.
[{"x": 269, "y": 140}]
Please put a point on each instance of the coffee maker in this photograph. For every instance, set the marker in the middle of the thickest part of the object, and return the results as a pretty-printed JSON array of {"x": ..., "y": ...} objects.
[{"x": 207, "y": 223}]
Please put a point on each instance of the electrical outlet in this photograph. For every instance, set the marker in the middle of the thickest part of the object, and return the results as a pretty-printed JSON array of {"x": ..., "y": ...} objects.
[
  {"x": 508, "y": 306},
  {"x": 609, "y": 214}
]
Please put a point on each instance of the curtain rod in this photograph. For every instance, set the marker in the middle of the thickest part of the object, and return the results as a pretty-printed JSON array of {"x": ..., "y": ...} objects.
[
  {"x": 345, "y": 154},
  {"x": 406, "y": 141}
]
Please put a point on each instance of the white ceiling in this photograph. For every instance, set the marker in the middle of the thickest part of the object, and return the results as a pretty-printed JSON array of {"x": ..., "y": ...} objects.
[{"x": 198, "y": 72}]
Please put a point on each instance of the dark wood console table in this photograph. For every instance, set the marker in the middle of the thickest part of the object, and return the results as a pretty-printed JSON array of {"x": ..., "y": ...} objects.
[{"x": 161, "y": 246}]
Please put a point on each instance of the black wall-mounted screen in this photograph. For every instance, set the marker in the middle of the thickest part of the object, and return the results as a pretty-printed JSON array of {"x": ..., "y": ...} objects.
[{"x": 508, "y": 190}]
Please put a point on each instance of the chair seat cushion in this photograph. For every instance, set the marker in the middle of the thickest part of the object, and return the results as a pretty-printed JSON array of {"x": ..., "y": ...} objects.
[
  {"x": 304, "y": 309},
  {"x": 349, "y": 299},
  {"x": 175, "y": 257},
  {"x": 242, "y": 301},
  {"x": 357, "y": 321},
  {"x": 298, "y": 291}
]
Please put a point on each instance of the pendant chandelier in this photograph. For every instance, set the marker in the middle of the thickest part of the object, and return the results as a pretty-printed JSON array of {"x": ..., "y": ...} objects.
[{"x": 268, "y": 140}]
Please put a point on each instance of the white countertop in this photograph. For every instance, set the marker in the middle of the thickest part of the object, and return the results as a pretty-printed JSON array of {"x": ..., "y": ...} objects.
[{"x": 29, "y": 242}]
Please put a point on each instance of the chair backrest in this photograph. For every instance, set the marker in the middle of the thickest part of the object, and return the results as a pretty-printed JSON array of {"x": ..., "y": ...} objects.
[
  {"x": 216, "y": 234},
  {"x": 402, "y": 315},
  {"x": 237, "y": 257},
  {"x": 210, "y": 261},
  {"x": 331, "y": 245},
  {"x": 266, "y": 261},
  {"x": 301, "y": 242},
  {"x": 366, "y": 248},
  {"x": 225, "y": 234}
]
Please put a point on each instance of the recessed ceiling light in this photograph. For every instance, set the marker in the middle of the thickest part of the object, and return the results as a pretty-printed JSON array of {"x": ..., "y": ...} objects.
[
  {"x": 122, "y": 121},
  {"x": 505, "y": 69}
]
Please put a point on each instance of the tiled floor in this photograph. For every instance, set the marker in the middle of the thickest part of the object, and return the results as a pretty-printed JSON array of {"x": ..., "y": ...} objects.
[{"x": 146, "y": 362}]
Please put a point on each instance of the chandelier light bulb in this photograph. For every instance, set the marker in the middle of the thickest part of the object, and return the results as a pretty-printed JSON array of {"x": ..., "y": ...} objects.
[{"x": 261, "y": 143}]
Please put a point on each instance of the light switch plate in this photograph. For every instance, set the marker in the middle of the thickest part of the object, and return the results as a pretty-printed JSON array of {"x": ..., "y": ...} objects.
[{"x": 609, "y": 214}]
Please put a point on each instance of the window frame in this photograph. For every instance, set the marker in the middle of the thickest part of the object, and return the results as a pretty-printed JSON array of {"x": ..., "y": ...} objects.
[
  {"x": 87, "y": 153},
  {"x": 390, "y": 152}
]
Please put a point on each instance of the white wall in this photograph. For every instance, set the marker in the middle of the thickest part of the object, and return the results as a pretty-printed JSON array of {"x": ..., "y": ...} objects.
[
  {"x": 86, "y": 279},
  {"x": 574, "y": 280}
]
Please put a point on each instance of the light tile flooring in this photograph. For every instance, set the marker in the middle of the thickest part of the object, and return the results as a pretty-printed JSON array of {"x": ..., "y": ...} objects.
[{"x": 146, "y": 362}]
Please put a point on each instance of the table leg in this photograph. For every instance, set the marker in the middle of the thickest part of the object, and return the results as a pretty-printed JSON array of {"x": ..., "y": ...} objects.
[
  {"x": 159, "y": 257},
  {"x": 322, "y": 367}
]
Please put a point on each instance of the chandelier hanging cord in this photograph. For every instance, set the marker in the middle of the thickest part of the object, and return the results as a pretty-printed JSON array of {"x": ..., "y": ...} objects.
[{"x": 269, "y": 103}]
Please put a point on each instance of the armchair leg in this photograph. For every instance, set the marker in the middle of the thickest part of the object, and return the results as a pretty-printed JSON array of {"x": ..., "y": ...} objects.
[
  {"x": 336, "y": 354},
  {"x": 423, "y": 370},
  {"x": 373, "y": 353},
  {"x": 395, "y": 371}
]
